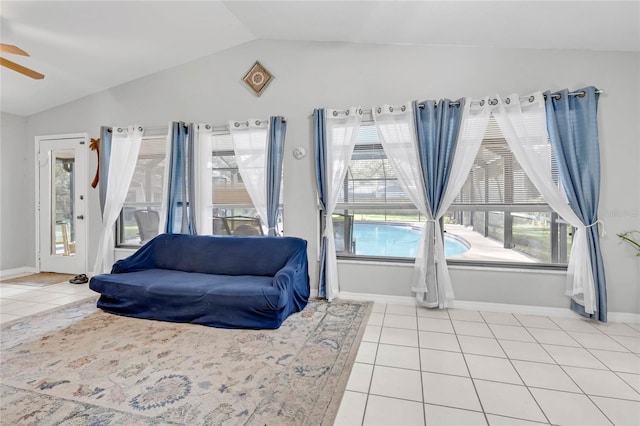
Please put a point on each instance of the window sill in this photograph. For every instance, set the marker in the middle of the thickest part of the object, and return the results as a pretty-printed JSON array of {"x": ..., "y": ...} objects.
[
  {"x": 552, "y": 270},
  {"x": 127, "y": 249},
  {"x": 369, "y": 261},
  {"x": 453, "y": 265}
]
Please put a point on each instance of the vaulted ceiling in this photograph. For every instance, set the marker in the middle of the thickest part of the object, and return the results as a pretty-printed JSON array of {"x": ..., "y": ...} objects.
[{"x": 87, "y": 46}]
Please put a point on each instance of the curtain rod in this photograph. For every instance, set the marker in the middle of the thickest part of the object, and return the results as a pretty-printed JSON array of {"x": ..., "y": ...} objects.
[
  {"x": 219, "y": 128},
  {"x": 492, "y": 101},
  {"x": 555, "y": 96}
]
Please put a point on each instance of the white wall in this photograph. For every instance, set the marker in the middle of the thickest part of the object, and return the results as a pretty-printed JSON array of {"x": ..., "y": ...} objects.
[
  {"x": 310, "y": 75},
  {"x": 16, "y": 198}
]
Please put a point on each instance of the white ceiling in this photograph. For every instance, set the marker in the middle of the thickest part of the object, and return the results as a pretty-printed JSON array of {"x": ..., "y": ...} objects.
[{"x": 87, "y": 46}]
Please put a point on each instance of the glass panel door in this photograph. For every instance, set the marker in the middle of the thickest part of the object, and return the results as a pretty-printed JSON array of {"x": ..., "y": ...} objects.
[{"x": 61, "y": 203}]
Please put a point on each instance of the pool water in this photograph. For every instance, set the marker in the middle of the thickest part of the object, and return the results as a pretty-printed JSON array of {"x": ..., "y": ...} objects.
[{"x": 383, "y": 239}]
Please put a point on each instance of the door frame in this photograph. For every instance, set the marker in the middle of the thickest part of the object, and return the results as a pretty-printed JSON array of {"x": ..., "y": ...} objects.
[{"x": 83, "y": 155}]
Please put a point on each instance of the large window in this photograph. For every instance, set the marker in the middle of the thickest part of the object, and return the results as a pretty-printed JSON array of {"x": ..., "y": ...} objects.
[
  {"x": 499, "y": 217},
  {"x": 229, "y": 209},
  {"x": 140, "y": 213}
]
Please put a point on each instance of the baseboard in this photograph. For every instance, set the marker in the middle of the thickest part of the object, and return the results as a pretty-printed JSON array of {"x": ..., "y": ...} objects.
[
  {"x": 493, "y": 307},
  {"x": 627, "y": 317},
  {"x": 15, "y": 272},
  {"x": 378, "y": 298}
]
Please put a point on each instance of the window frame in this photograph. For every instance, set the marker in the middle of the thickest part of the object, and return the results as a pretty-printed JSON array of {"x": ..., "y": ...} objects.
[{"x": 471, "y": 207}]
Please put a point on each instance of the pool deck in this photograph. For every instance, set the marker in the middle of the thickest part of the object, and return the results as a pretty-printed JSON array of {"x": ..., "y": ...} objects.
[{"x": 483, "y": 248}]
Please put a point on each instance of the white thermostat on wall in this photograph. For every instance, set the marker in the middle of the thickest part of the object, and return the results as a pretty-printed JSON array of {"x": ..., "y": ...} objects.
[{"x": 299, "y": 152}]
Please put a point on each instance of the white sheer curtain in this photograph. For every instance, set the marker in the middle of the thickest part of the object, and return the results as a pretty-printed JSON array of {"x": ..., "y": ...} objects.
[
  {"x": 341, "y": 131},
  {"x": 472, "y": 129},
  {"x": 250, "y": 140},
  {"x": 525, "y": 129},
  {"x": 203, "y": 147},
  {"x": 125, "y": 146},
  {"x": 397, "y": 131},
  {"x": 396, "y": 128}
]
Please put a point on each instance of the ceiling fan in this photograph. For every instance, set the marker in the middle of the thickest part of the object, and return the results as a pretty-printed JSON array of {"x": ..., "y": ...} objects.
[{"x": 8, "y": 48}]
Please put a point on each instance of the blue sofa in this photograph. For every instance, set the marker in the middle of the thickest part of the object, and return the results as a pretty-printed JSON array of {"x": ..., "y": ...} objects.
[{"x": 228, "y": 282}]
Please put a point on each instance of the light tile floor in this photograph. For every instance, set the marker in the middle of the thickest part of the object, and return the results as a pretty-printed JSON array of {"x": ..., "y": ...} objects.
[
  {"x": 457, "y": 367},
  {"x": 19, "y": 300}
]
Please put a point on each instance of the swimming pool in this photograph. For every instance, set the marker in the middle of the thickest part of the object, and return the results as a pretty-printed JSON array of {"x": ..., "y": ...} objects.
[{"x": 385, "y": 239}]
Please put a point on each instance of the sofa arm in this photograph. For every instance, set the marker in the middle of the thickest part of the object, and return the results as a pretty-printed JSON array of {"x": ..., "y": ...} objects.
[
  {"x": 285, "y": 277},
  {"x": 293, "y": 282},
  {"x": 142, "y": 259}
]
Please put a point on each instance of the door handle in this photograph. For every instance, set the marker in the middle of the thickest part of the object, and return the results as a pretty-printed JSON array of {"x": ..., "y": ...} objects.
[{"x": 80, "y": 217}]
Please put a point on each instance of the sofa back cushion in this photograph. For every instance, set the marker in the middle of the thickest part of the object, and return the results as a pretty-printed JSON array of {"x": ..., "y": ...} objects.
[{"x": 263, "y": 256}]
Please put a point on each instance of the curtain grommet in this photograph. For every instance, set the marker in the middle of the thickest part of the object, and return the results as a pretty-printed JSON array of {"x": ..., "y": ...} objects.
[
  {"x": 335, "y": 113},
  {"x": 140, "y": 129},
  {"x": 257, "y": 122},
  {"x": 119, "y": 130},
  {"x": 403, "y": 109},
  {"x": 346, "y": 112},
  {"x": 208, "y": 126},
  {"x": 379, "y": 110},
  {"x": 582, "y": 94},
  {"x": 236, "y": 124},
  {"x": 247, "y": 123},
  {"x": 390, "y": 109},
  {"x": 532, "y": 98},
  {"x": 507, "y": 101},
  {"x": 482, "y": 102},
  {"x": 360, "y": 111}
]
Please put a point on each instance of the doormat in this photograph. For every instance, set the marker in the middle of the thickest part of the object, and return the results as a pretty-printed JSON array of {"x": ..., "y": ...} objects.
[
  {"x": 40, "y": 279},
  {"x": 80, "y": 365}
]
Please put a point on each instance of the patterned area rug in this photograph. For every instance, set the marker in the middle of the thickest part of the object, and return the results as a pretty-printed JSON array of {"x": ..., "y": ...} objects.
[
  {"x": 79, "y": 365},
  {"x": 40, "y": 279}
]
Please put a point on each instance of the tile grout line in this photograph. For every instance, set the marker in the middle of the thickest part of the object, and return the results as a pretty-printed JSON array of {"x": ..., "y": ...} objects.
[
  {"x": 518, "y": 373},
  {"x": 562, "y": 367},
  {"x": 366, "y": 402},
  {"x": 586, "y": 395},
  {"x": 466, "y": 364},
  {"x": 615, "y": 373},
  {"x": 424, "y": 406}
]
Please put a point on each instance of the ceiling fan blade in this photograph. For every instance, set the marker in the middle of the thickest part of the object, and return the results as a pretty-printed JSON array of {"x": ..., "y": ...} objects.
[
  {"x": 22, "y": 70},
  {"x": 10, "y": 48}
]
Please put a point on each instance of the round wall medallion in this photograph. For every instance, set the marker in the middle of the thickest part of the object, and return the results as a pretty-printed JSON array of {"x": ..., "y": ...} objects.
[
  {"x": 299, "y": 152},
  {"x": 257, "y": 78}
]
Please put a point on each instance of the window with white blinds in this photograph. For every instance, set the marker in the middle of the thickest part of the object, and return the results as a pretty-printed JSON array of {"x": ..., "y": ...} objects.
[
  {"x": 142, "y": 205},
  {"x": 496, "y": 177},
  {"x": 498, "y": 218},
  {"x": 501, "y": 213},
  {"x": 227, "y": 187},
  {"x": 230, "y": 203},
  {"x": 370, "y": 179}
]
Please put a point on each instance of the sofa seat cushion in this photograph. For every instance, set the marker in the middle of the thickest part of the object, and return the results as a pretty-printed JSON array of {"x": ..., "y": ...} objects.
[{"x": 216, "y": 300}]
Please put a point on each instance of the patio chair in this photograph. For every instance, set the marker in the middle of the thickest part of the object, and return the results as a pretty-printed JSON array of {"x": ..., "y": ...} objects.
[
  {"x": 148, "y": 222},
  {"x": 237, "y": 225}
]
